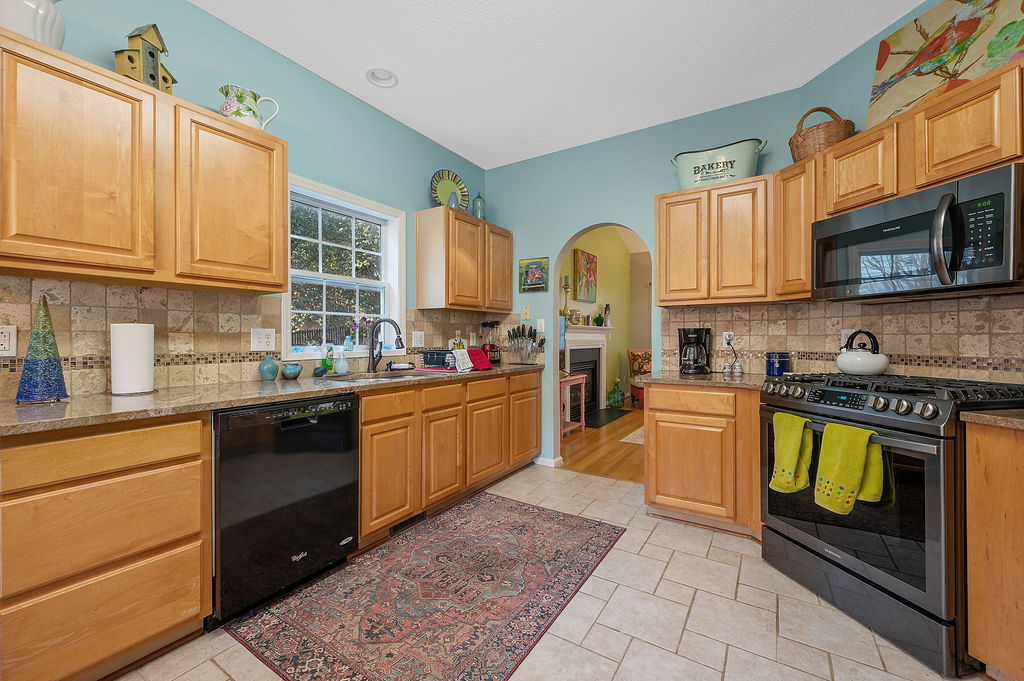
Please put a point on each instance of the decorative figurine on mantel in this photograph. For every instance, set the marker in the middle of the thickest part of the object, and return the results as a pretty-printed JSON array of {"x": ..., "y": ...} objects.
[
  {"x": 141, "y": 61},
  {"x": 42, "y": 378}
]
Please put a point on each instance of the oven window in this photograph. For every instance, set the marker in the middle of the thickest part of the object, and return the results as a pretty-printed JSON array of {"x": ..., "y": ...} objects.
[{"x": 889, "y": 535}]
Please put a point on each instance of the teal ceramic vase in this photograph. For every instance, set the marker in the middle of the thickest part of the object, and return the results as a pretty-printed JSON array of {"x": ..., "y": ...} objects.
[
  {"x": 268, "y": 369},
  {"x": 479, "y": 206},
  {"x": 42, "y": 378},
  {"x": 291, "y": 370}
]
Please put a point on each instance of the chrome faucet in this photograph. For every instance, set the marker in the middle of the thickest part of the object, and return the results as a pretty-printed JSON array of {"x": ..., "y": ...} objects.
[{"x": 377, "y": 347}]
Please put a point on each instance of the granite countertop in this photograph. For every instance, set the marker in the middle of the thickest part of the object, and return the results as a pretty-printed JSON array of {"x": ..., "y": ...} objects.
[
  {"x": 91, "y": 410},
  {"x": 713, "y": 380},
  {"x": 1001, "y": 418}
]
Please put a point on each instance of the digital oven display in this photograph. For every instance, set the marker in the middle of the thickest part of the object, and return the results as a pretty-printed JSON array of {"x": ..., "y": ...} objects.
[{"x": 837, "y": 398}]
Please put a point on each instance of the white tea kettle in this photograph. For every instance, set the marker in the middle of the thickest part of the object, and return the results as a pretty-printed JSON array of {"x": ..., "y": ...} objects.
[{"x": 861, "y": 360}]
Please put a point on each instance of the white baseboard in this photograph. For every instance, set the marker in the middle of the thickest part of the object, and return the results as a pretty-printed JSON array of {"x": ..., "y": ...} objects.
[{"x": 550, "y": 463}]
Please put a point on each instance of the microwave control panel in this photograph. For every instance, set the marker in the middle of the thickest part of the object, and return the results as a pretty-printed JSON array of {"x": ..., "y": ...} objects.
[
  {"x": 837, "y": 398},
  {"x": 983, "y": 232}
]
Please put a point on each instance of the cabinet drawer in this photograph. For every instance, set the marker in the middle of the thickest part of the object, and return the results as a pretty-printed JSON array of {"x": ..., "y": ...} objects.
[
  {"x": 387, "y": 405},
  {"x": 492, "y": 387},
  {"x": 45, "y": 463},
  {"x": 523, "y": 382},
  {"x": 443, "y": 396},
  {"x": 693, "y": 401},
  {"x": 54, "y": 535},
  {"x": 57, "y": 635}
]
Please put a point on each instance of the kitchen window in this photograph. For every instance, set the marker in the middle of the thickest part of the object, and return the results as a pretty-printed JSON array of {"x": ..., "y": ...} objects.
[{"x": 346, "y": 270}]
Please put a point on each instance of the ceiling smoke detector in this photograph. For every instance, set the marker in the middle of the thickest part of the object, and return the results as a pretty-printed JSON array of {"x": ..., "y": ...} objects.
[{"x": 382, "y": 78}]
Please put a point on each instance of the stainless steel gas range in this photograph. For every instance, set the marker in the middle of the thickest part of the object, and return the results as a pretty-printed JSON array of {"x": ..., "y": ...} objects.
[{"x": 897, "y": 566}]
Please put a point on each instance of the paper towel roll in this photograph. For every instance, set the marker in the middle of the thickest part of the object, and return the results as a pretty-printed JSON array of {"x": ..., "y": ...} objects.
[{"x": 131, "y": 358}]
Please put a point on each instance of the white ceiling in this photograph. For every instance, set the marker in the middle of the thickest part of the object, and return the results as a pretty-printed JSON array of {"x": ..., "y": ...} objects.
[{"x": 499, "y": 81}]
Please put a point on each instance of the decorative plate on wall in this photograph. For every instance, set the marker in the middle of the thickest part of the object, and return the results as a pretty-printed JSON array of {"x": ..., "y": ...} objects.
[{"x": 443, "y": 183}]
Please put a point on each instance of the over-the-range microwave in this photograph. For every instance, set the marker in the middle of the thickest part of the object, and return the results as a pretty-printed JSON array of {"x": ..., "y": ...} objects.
[{"x": 944, "y": 240}]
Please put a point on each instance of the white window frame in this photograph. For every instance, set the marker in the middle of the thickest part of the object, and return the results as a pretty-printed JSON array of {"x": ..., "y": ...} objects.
[{"x": 392, "y": 263}]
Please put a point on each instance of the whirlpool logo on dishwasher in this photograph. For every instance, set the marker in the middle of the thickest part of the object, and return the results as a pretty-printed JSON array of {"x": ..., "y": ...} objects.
[{"x": 297, "y": 558}]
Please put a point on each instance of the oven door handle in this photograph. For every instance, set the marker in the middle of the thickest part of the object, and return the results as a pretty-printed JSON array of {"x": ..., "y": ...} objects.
[
  {"x": 902, "y": 445},
  {"x": 942, "y": 216}
]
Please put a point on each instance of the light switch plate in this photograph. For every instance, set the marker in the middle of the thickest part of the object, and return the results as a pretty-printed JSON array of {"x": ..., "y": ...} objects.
[
  {"x": 417, "y": 339},
  {"x": 526, "y": 313},
  {"x": 540, "y": 325},
  {"x": 262, "y": 339},
  {"x": 8, "y": 341}
]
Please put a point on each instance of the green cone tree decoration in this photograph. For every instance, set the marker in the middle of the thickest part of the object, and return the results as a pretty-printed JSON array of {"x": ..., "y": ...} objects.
[{"x": 42, "y": 379}]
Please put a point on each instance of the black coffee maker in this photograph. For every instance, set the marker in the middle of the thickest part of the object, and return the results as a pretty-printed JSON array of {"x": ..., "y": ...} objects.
[{"x": 695, "y": 351}]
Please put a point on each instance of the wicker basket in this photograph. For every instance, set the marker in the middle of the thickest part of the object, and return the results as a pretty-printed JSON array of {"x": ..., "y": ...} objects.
[{"x": 808, "y": 142}]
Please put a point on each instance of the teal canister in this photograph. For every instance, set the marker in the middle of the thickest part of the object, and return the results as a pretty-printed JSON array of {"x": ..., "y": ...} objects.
[
  {"x": 268, "y": 369},
  {"x": 478, "y": 206}
]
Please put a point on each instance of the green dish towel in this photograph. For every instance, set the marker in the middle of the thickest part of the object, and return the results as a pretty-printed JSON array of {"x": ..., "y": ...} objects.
[
  {"x": 793, "y": 446},
  {"x": 850, "y": 468}
]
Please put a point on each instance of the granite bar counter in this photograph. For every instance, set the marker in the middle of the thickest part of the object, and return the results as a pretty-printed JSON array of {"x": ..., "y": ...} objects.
[
  {"x": 713, "y": 380},
  {"x": 1000, "y": 418},
  {"x": 91, "y": 410}
]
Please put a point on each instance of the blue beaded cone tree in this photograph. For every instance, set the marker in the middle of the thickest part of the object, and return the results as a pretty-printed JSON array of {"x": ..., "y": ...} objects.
[{"x": 42, "y": 379}]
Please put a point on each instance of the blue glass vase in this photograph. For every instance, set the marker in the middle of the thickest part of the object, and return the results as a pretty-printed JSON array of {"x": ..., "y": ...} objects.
[
  {"x": 479, "y": 206},
  {"x": 42, "y": 378},
  {"x": 268, "y": 369}
]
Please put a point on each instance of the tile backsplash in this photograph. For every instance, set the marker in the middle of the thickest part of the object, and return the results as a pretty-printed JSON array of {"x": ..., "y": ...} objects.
[
  {"x": 977, "y": 337},
  {"x": 200, "y": 337}
]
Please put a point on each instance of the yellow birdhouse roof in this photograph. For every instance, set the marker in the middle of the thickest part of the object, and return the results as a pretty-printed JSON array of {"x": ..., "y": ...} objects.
[
  {"x": 151, "y": 34},
  {"x": 163, "y": 70}
]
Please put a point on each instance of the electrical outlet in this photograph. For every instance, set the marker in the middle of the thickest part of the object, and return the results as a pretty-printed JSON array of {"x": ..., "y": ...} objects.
[
  {"x": 727, "y": 337},
  {"x": 8, "y": 341},
  {"x": 262, "y": 339},
  {"x": 417, "y": 339},
  {"x": 472, "y": 339},
  {"x": 526, "y": 313},
  {"x": 540, "y": 325}
]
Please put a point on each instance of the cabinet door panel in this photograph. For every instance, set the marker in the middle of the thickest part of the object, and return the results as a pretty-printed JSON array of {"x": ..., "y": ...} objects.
[
  {"x": 739, "y": 241},
  {"x": 232, "y": 191},
  {"x": 78, "y": 165},
  {"x": 389, "y": 474},
  {"x": 681, "y": 226},
  {"x": 486, "y": 439},
  {"x": 499, "y": 269},
  {"x": 977, "y": 126},
  {"x": 794, "y": 213},
  {"x": 861, "y": 169},
  {"x": 690, "y": 463},
  {"x": 524, "y": 426},
  {"x": 466, "y": 254},
  {"x": 444, "y": 466}
]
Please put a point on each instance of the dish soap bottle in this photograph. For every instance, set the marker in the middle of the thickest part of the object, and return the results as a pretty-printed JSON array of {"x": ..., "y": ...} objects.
[{"x": 328, "y": 359}]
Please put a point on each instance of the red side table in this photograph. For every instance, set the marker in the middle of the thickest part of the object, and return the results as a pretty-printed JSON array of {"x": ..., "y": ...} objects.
[{"x": 568, "y": 382}]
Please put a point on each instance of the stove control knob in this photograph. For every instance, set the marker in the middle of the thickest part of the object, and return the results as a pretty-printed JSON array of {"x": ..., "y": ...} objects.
[
  {"x": 783, "y": 390},
  {"x": 879, "y": 403},
  {"x": 926, "y": 410},
  {"x": 901, "y": 407},
  {"x": 797, "y": 392},
  {"x": 769, "y": 388}
]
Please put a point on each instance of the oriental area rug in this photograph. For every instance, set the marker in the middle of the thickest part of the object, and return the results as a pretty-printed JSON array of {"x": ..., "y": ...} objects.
[{"x": 462, "y": 596}]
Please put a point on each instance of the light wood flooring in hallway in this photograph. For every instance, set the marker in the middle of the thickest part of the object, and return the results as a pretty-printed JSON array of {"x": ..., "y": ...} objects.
[{"x": 597, "y": 451}]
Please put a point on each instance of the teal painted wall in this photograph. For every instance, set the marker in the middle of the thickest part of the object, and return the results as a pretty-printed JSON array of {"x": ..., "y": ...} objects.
[{"x": 333, "y": 137}]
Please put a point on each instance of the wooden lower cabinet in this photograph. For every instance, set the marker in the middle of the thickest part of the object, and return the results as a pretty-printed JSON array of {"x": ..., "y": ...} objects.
[
  {"x": 106, "y": 545},
  {"x": 524, "y": 426},
  {"x": 995, "y": 544},
  {"x": 389, "y": 473},
  {"x": 444, "y": 453},
  {"x": 486, "y": 455}
]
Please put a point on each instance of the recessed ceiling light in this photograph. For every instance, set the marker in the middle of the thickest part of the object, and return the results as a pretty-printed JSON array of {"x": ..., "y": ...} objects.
[{"x": 382, "y": 78}]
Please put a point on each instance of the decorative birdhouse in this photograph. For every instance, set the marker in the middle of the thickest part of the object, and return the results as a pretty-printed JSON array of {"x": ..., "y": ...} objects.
[{"x": 141, "y": 61}]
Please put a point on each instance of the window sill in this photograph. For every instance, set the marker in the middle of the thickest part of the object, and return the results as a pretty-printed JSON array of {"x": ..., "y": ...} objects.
[{"x": 351, "y": 354}]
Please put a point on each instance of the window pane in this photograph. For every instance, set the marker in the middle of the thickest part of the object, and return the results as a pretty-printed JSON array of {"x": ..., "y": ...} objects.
[
  {"x": 341, "y": 298},
  {"x": 364, "y": 329},
  {"x": 337, "y": 228},
  {"x": 337, "y": 260},
  {"x": 339, "y": 326},
  {"x": 304, "y": 255},
  {"x": 367, "y": 236},
  {"x": 307, "y": 296},
  {"x": 304, "y": 220},
  {"x": 307, "y": 329},
  {"x": 367, "y": 266},
  {"x": 369, "y": 301}
]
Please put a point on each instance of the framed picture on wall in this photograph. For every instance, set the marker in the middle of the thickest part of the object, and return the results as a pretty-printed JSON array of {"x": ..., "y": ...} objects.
[
  {"x": 533, "y": 275},
  {"x": 585, "y": 289}
]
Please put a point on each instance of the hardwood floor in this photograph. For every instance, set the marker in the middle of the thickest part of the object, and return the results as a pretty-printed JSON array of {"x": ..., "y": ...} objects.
[{"x": 597, "y": 451}]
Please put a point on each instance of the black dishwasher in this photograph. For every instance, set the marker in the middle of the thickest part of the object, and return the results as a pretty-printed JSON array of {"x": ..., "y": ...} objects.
[{"x": 286, "y": 496}]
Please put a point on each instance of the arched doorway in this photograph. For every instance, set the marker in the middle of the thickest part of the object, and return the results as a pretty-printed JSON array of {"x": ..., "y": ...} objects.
[{"x": 624, "y": 276}]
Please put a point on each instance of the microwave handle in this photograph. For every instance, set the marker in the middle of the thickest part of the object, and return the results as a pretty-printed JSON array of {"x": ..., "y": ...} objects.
[{"x": 942, "y": 216}]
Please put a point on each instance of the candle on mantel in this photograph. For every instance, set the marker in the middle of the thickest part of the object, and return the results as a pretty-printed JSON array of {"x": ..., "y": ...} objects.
[{"x": 566, "y": 280}]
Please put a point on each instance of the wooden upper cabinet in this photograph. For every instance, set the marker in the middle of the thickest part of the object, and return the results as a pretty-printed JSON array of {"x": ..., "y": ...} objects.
[
  {"x": 978, "y": 125},
  {"x": 791, "y": 230},
  {"x": 738, "y": 240},
  {"x": 467, "y": 248},
  {"x": 681, "y": 246},
  {"x": 499, "y": 269},
  {"x": 861, "y": 169},
  {"x": 78, "y": 164},
  {"x": 232, "y": 201}
]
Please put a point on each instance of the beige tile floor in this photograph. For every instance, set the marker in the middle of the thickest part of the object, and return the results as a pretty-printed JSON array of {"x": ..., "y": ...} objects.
[{"x": 669, "y": 602}]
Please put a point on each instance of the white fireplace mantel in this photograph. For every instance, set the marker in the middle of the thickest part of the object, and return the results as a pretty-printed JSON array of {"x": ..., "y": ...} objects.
[{"x": 590, "y": 338}]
